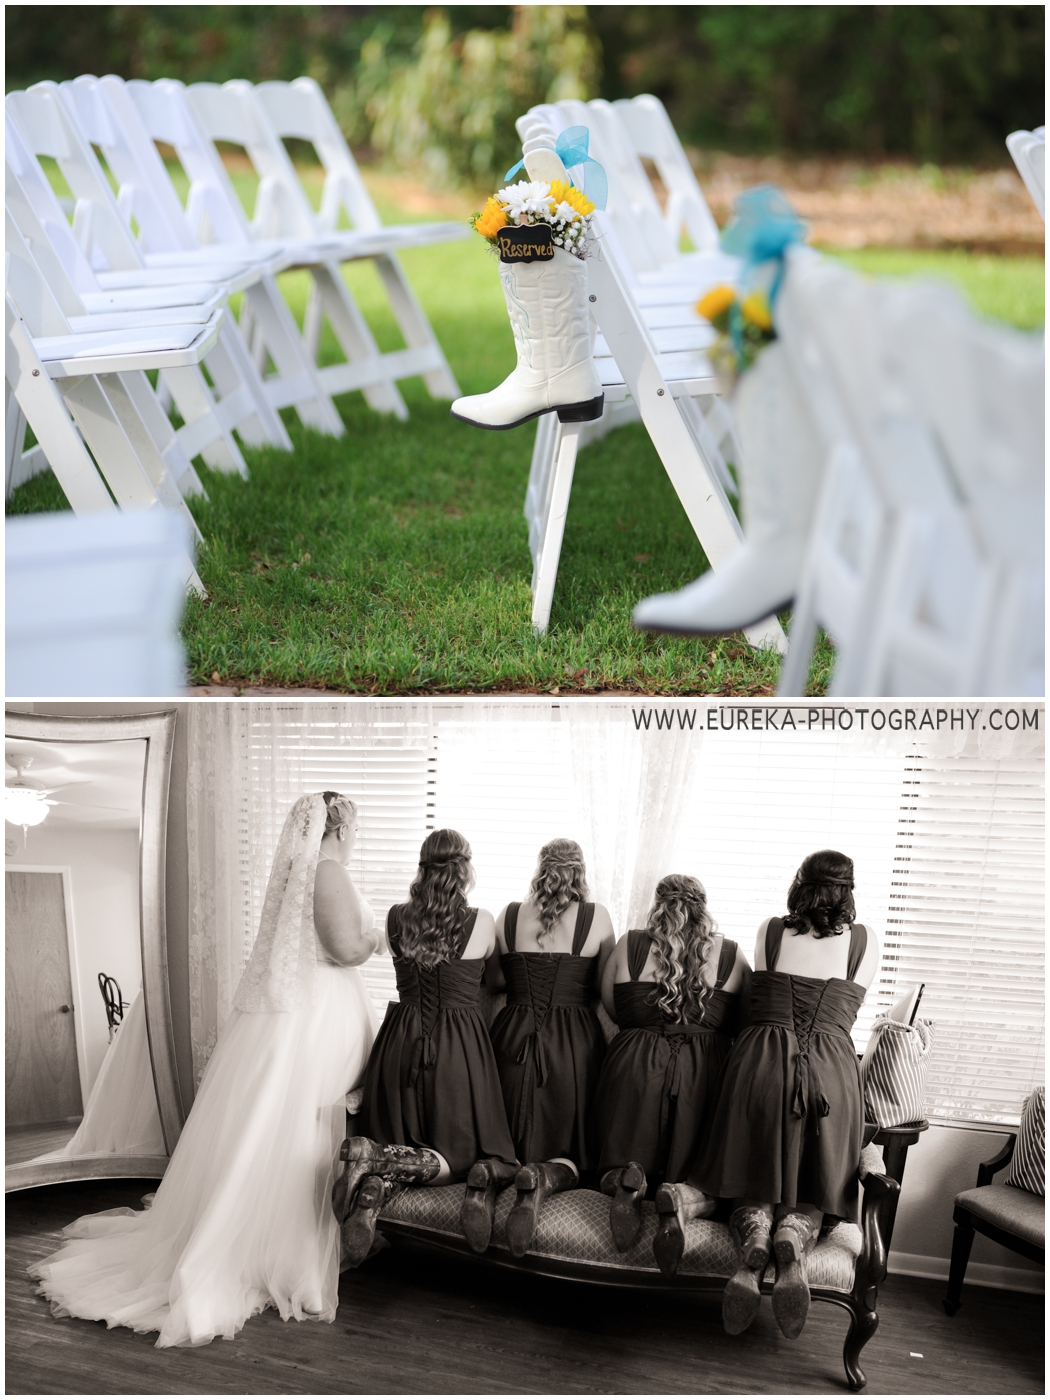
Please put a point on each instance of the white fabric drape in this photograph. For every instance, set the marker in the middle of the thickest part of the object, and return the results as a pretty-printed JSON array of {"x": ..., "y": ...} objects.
[{"x": 633, "y": 785}]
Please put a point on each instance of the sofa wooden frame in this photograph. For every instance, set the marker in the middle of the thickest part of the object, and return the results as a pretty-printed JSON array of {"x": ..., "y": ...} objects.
[{"x": 879, "y": 1203}]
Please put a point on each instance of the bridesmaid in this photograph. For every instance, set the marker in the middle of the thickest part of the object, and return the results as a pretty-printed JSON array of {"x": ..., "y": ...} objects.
[
  {"x": 432, "y": 1100},
  {"x": 548, "y": 1040},
  {"x": 674, "y": 989},
  {"x": 786, "y": 1138}
]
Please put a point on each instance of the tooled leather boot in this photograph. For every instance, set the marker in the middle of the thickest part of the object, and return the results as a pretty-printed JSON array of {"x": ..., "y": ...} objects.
[
  {"x": 400, "y": 1166},
  {"x": 485, "y": 1180},
  {"x": 751, "y": 1228},
  {"x": 794, "y": 1240}
]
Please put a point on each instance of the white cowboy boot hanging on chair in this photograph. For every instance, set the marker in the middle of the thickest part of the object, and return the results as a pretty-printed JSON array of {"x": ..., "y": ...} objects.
[
  {"x": 783, "y": 454},
  {"x": 540, "y": 229}
]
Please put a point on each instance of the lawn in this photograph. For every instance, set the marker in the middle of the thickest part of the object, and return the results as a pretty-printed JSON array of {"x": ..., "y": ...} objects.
[{"x": 395, "y": 560}]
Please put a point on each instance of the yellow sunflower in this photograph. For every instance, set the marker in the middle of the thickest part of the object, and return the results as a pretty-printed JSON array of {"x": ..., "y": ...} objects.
[
  {"x": 491, "y": 219},
  {"x": 564, "y": 193},
  {"x": 716, "y": 303},
  {"x": 755, "y": 308}
]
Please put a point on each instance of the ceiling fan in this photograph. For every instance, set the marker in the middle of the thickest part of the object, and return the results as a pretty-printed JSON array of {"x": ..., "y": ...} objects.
[{"x": 27, "y": 805}]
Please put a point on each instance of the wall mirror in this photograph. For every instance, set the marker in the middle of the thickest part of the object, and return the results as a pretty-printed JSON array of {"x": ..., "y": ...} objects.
[{"x": 91, "y": 1082}]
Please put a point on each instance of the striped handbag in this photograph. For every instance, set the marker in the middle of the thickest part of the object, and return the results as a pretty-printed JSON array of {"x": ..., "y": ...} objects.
[{"x": 893, "y": 1072}]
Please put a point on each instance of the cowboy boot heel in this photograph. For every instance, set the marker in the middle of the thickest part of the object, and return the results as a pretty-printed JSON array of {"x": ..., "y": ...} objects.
[
  {"x": 534, "y": 1182},
  {"x": 676, "y": 1204},
  {"x": 791, "y": 1245},
  {"x": 359, "y": 1227},
  {"x": 485, "y": 1180},
  {"x": 751, "y": 1228},
  {"x": 627, "y": 1186}
]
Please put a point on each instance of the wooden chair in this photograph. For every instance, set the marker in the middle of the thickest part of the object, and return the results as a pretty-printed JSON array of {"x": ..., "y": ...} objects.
[{"x": 1008, "y": 1215}]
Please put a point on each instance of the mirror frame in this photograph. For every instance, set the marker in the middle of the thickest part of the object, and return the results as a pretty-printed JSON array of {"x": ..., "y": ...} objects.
[{"x": 158, "y": 730}]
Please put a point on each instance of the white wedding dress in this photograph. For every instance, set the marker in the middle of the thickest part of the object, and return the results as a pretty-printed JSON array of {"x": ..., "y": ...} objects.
[{"x": 243, "y": 1219}]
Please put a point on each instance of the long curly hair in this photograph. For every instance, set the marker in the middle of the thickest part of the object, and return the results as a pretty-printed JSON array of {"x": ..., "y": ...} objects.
[
  {"x": 681, "y": 931},
  {"x": 437, "y": 899},
  {"x": 340, "y": 810},
  {"x": 821, "y": 895},
  {"x": 560, "y": 879}
]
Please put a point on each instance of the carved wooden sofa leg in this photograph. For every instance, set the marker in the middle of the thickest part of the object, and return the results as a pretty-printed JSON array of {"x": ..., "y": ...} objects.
[{"x": 879, "y": 1194}]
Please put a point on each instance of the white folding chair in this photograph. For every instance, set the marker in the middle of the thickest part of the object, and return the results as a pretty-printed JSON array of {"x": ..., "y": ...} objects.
[
  {"x": 1028, "y": 149},
  {"x": 93, "y": 605},
  {"x": 653, "y": 136},
  {"x": 668, "y": 387},
  {"x": 129, "y": 119},
  {"x": 42, "y": 120}
]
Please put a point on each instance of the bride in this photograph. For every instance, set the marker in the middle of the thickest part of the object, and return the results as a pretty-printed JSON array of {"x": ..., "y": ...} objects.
[{"x": 242, "y": 1220}]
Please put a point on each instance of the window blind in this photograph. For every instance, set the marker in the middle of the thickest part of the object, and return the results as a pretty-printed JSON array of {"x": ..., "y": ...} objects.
[{"x": 966, "y": 917}]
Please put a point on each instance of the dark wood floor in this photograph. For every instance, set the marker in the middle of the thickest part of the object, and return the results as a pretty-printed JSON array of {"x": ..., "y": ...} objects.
[
  {"x": 22, "y": 1144},
  {"x": 413, "y": 1322}
]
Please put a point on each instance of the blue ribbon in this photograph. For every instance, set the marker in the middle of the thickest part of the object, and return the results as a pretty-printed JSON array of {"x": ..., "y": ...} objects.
[
  {"x": 572, "y": 146},
  {"x": 764, "y": 225}
]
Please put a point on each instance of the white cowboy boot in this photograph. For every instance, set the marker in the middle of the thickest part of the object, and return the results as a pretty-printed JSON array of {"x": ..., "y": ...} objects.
[
  {"x": 783, "y": 462},
  {"x": 554, "y": 338}
]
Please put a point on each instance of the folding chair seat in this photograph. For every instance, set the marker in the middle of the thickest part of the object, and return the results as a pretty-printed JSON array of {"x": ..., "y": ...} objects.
[
  {"x": 96, "y": 378},
  {"x": 42, "y": 121},
  {"x": 671, "y": 388},
  {"x": 1028, "y": 149}
]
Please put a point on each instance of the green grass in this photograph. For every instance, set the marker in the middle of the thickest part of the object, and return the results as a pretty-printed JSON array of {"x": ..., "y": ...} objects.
[{"x": 395, "y": 560}]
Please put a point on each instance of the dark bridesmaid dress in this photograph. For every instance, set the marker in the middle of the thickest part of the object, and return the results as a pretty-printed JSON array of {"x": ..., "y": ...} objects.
[
  {"x": 431, "y": 1079},
  {"x": 790, "y": 1119},
  {"x": 549, "y": 1047},
  {"x": 659, "y": 1081}
]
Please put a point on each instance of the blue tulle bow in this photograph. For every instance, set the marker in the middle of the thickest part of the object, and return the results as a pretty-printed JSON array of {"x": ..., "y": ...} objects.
[
  {"x": 572, "y": 146},
  {"x": 764, "y": 225}
]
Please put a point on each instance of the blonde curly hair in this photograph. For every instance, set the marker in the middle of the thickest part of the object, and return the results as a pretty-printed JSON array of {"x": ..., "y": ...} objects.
[
  {"x": 681, "y": 931},
  {"x": 560, "y": 879}
]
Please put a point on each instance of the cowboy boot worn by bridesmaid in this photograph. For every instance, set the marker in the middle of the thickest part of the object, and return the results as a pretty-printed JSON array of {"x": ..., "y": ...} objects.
[
  {"x": 676, "y": 1204},
  {"x": 751, "y": 1228},
  {"x": 627, "y": 1186},
  {"x": 795, "y": 1236},
  {"x": 485, "y": 1181},
  {"x": 535, "y": 1182}
]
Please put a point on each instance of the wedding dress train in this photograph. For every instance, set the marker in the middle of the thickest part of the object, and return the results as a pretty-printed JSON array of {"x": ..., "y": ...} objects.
[{"x": 242, "y": 1220}]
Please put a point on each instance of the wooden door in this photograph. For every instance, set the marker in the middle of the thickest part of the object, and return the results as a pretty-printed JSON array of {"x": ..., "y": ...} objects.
[{"x": 42, "y": 1074}]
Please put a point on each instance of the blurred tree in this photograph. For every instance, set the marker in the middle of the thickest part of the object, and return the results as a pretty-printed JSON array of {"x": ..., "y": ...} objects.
[
  {"x": 442, "y": 88},
  {"x": 935, "y": 82}
]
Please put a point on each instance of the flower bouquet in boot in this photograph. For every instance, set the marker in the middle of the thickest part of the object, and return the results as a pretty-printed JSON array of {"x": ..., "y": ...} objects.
[
  {"x": 783, "y": 455},
  {"x": 540, "y": 230}
]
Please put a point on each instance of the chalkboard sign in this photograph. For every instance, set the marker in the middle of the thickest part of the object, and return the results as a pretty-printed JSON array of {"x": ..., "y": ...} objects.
[{"x": 533, "y": 243}]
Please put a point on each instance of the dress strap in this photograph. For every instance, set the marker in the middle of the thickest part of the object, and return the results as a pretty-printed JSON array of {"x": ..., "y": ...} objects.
[
  {"x": 510, "y": 925},
  {"x": 858, "y": 945},
  {"x": 466, "y": 931},
  {"x": 393, "y": 929},
  {"x": 638, "y": 944},
  {"x": 584, "y": 919},
  {"x": 726, "y": 962},
  {"x": 774, "y": 936}
]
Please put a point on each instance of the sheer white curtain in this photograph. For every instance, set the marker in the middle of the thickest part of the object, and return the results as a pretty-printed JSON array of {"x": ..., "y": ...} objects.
[{"x": 633, "y": 787}]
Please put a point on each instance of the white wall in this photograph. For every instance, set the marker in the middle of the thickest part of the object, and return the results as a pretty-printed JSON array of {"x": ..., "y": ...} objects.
[
  {"x": 942, "y": 1163},
  {"x": 104, "y": 881}
]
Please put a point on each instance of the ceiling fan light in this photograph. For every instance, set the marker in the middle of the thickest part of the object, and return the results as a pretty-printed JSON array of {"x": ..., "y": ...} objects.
[{"x": 24, "y": 807}]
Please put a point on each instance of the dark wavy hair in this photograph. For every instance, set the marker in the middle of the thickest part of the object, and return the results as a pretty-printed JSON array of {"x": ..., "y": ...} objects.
[
  {"x": 681, "y": 931},
  {"x": 821, "y": 895},
  {"x": 560, "y": 878},
  {"x": 437, "y": 899}
]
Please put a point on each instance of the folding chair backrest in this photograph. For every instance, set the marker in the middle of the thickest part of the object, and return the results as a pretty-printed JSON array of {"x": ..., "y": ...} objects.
[
  {"x": 107, "y": 116},
  {"x": 300, "y": 110},
  {"x": 27, "y": 287},
  {"x": 230, "y": 113},
  {"x": 213, "y": 214},
  {"x": 28, "y": 184},
  {"x": 24, "y": 217},
  {"x": 48, "y": 129},
  {"x": 646, "y": 122},
  {"x": 1028, "y": 149}
]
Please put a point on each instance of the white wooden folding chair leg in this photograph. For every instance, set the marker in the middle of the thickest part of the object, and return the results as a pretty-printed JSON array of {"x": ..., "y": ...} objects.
[
  {"x": 203, "y": 432},
  {"x": 22, "y": 463},
  {"x": 42, "y": 407},
  {"x": 298, "y": 384},
  {"x": 243, "y": 402},
  {"x": 364, "y": 368},
  {"x": 167, "y": 440},
  {"x": 544, "y": 451},
  {"x": 416, "y": 329},
  {"x": 545, "y": 569}
]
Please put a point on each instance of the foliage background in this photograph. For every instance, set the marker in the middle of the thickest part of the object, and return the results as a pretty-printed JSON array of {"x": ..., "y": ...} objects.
[{"x": 436, "y": 90}]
